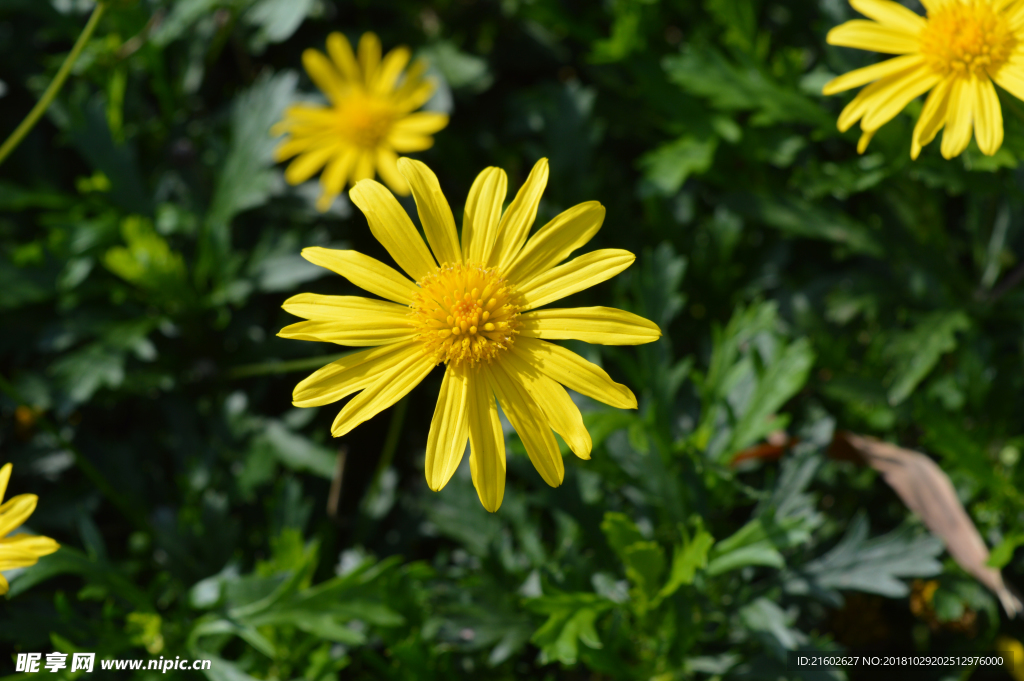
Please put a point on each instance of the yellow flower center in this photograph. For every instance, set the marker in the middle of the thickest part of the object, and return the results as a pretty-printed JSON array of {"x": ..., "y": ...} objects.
[
  {"x": 466, "y": 313},
  {"x": 966, "y": 38},
  {"x": 366, "y": 120}
]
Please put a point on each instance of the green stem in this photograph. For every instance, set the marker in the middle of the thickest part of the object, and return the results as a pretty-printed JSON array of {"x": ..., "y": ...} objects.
[
  {"x": 51, "y": 92},
  {"x": 278, "y": 367},
  {"x": 132, "y": 513},
  {"x": 387, "y": 454}
]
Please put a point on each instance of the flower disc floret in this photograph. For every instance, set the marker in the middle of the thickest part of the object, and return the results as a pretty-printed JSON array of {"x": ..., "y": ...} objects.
[
  {"x": 466, "y": 314},
  {"x": 967, "y": 39},
  {"x": 366, "y": 120}
]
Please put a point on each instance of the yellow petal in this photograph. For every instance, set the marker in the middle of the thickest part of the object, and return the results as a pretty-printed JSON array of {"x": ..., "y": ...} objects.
[
  {"x": 860, "y": 104},
  {"x": 867, "y": 35},
  {"x": 344, "y": 60},
  {"x": 323, "y": 74},
  {"x": 390, "y": 69},
  {"x": 415, "y": 90},
  {"x": 578, "y": 274},
  {"x": 449, "y": 429},
  {"x": 529, "y": 421},
  {"x": 365, "y": 272},
  {"x": 933, "y": 6},
  {"x": 421, "y": 123},
  {"x": 369, "y": 56},
  {"x": 556, "y": 240},
  {"x": 334, "y": 176},
  {"x": 364, "y": 166},
  {"x": 16, "y": 559},
  {"x": 5, "y": 477},
  {"x": 387, "y": 167},
  {"x": 1014, "y": 17},
  {"x": 392, "y": 227},
  {"x": 309, "y": 163},
  {"x": 406, "y": 143},
  {"x": 435, "y": 213},
  {"x": 601, "y": 325},
  {"x": 869, "y": 74},
  {"x": 4, "y": 586},
  {"x": 321, "y": 308},
  {"x": 486, "y": 442},
  {"x": 356, "y": 331},
  {"x": 959, "y": 114},
  {"x": 884, "y": 106},
  {"x": 891, "y": 14},
  {"x": 1011, "y": 76},
  {"x": 16, "y": 511},
  {"x": 573, "y": 372},
  {"x": 517, "y": 220},
  {"x": 290, "y": 147},
  {"x": 391, "y": 386},
  {"x": 988, "y": 117},
  {"x": 483, "y": 210},
  {"x": 348, "y": 375},
  {"x": 865, "y": 140},
  {"x": 562, "y": 413},
  {"x": 933, "y": 117},
  {"x": 33, "y": 544}
]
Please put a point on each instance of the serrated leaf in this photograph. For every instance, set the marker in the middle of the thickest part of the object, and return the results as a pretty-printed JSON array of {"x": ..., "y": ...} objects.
[
  {"x": 913, "y": 354},
  {"x": 876, "y": 565}
]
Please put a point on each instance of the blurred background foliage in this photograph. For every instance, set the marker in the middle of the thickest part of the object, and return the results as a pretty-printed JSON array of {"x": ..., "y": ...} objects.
[{"x": 148, "y": 242}]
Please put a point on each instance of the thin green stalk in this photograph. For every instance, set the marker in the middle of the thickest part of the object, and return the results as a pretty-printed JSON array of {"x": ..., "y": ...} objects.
[
  {"x": 387, "y": 454},
  {"x": 122, "y": 503},
  {"x": 277, "y": 367},
  {"x": 51, "y": 92}
]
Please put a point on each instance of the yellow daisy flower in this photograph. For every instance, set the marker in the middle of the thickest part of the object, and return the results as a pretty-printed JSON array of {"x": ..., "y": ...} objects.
[
  {"x": 370, "y": 120},
  {"x": 20, "y": 550},
  {"x": 956, "y": 52},
  {"x": 476, "y": 313}
]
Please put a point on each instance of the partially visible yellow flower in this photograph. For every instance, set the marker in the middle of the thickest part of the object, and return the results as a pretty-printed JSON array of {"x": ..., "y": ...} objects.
[
  {"x": 1013, "y": 654},
  {"x": 20, "y": 550},
  {"x": 370, "y": 120},
  {"x": 956, "y": 52},
  {"x": 476, "y": 313}
]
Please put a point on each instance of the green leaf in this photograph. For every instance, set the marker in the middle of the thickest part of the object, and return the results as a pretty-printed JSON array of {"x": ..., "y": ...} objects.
[
  {"x": 686, "y": 560},
  {"x": 784, "y": 376},
  {"x": 147, "y": 260},
  {"x": 704, "y": 72},
  {"x": 875, "y": 565},
  {"x": 66, "y": 561},
  {"x": 570, "y": 621},
  {"x": 668, "y": 166},
  {"x": 803, "y": 219},
  {"x": 772, "y": 626},
  {"x": 460, "y": 70},
  {"x": 757, "y": 543},
  {"x": 276, "y": 20},
  {"x": 247, "y": 178},
  {"x": 1002, "y": 554},
  {"x": 913, "y": 354},
  {"x": 620, "y": 531},
  {"x": 297, "y": 451},
  {"x": 645, "y": 563}
]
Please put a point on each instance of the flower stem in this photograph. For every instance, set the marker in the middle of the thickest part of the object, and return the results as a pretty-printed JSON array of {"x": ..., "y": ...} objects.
[
  {"x": 279, "y": 367},
  {"x": 51, "y": 92}
]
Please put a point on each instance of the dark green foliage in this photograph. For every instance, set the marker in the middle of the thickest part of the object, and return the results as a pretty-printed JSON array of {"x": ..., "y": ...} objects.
[{"x": 148, "y": 241}]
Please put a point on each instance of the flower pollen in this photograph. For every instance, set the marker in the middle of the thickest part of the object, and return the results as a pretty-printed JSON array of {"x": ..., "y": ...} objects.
[
  {"x": 366, "y": 120},
  {"x": 466, "y": 313},
  {"x": 967, "y": 39}
]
